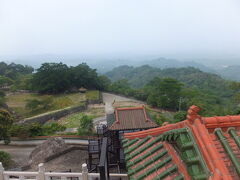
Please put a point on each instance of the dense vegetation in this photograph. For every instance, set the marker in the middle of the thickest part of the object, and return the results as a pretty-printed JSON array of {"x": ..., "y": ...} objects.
[
  {"x": 172, "y": 89},
  {"x": 175, "y": 88},
  {"x": 192, "y": 77},
  {"x": 6, "y": 122},
  {"x": 5, "y": 159},
  {"x": 35, "y": 129},
  {"x": 13, "y": 70},
  {"x": 58, "y": 78},
  {"x": 49, "y": 78},
  {"x": 85, "y": 125},
  {"x": 15, "y": 75}
]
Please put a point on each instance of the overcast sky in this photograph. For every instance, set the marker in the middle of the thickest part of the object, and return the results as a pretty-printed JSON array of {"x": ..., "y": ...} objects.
[{"x": 174, "y": 28}]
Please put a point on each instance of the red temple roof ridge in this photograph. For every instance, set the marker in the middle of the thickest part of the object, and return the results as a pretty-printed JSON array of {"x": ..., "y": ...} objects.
[{"x": 217, "y": 138}]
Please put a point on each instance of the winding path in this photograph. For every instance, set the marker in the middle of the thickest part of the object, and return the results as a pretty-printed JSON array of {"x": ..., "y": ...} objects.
[{"x": 109, "y": 98}]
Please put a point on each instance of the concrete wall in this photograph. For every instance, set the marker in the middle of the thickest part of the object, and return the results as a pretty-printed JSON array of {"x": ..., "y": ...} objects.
[{"x": 54, "y": 115}]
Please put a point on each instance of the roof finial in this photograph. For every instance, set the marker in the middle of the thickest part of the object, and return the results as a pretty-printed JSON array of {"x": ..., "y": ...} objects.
[{"x": 192, "y": 113}]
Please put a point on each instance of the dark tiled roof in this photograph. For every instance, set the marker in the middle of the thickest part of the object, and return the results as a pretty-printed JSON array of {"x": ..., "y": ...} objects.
[
  {"x": 130, "y": 118},
  {"x": 197, "y": 148}
]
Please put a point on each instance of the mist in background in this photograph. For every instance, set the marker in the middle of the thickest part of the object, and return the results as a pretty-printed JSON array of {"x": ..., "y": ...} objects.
[{"x": 92, "y": 31}]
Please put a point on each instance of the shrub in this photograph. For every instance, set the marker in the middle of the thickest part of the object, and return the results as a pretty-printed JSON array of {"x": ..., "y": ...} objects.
[
  {"x": 51, "y": 128},
  {"x": 157, "y": 120},
  {"x": 47, "y": 103},
  {"x": 20, "y": 131},
  {"x": 6, "y": 122},
  {"x": 86, "y": 122},
  {"x": 180, "y": 116},
  {"x": 161, "y": 119},
  {"x": 36, "y": 105},
  {"x": 6, "y": 159},
  {"x": 33, "y": 104},
  {"x": 86, "y": 125},
  {"x": 35, "y": 129}
]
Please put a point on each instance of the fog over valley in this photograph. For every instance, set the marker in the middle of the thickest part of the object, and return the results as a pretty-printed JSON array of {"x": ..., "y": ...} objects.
[{"x": 206, "y": 32}]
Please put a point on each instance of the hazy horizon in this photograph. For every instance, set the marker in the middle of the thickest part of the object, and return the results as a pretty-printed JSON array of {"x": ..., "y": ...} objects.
[{"x": 202, "y": 30}]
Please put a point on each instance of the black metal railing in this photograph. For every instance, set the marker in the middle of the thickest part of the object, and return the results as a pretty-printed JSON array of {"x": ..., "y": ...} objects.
[{"x": 103, "y": 163}]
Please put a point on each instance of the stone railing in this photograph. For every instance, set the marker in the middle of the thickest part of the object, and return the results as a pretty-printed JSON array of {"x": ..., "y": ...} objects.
[{"x": 41, "y": 174}]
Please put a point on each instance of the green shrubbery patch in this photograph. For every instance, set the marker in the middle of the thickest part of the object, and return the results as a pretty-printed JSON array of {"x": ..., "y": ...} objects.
[
  {"x": 6, "y": 159},
  {"x": 85, "y": 125},
  {"x": 36, "y": 129}
]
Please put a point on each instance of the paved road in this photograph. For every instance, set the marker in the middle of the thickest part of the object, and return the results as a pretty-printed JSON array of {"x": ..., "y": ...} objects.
[{"x": 109, "y": 98}]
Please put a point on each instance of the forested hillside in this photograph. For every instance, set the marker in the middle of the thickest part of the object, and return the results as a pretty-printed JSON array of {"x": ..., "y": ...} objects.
[
  {"x": 104, "y": 66},
  {"x": 191, "y": 77},
  {"x": 176, "y": 88}
]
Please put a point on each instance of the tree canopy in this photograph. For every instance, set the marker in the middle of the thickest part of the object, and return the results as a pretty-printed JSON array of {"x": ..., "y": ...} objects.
[
  {"x": 6, "y": 122},
  {"x": 177, "y": 88},
  {"x": 58, "y": 78},
  {"x": 165, "y": 93}
]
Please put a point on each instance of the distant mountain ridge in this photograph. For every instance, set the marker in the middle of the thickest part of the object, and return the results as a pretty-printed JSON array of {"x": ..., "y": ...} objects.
[
  {"x": 230, "y": 72},
  {"x": 103, "y": 66},
  {"x": 163, "y": 63},
  {"x": 193, "y": 77}
]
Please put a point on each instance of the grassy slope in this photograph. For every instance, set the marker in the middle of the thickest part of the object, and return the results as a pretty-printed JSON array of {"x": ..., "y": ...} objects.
[
  {"x": 18, "y": 101},
  {"x": 92, "y": 95},
  {"x": 72, "y": 121}
]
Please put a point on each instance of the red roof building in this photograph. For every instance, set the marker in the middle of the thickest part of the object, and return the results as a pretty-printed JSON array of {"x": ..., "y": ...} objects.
[
  {"x": 132, "y": 118},
  {"x": 196, "y": 148}
]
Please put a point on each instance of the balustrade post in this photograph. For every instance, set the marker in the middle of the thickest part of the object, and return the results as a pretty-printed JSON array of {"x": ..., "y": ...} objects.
[
  {"x": 41, "y": 172},
  {"x": 84, "y": 172},
  {"x": 1, "y": 171}
]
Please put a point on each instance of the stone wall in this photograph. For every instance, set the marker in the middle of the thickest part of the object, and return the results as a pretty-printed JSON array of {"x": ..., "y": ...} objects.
[{"x": 54, "y": 115}]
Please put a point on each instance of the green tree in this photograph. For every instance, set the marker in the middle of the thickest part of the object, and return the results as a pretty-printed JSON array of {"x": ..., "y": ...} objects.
[
  {"x": 51, "y": 78},
  {"x": 121, "y": 86},
  {"x": 165, "y": 93},
  {"x": 83, "y": 76},
  {"x": 104, "y": 83},
  {"x": 5, "y": 81},
  {"x": 6, "y": 122}
]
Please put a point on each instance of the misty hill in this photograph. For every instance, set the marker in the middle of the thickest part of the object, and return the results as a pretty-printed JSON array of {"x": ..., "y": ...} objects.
[
  {"x": 163, "y": 63},
  {"x": 230, "y": 72},
  {"x": 192, "y": 77}
]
